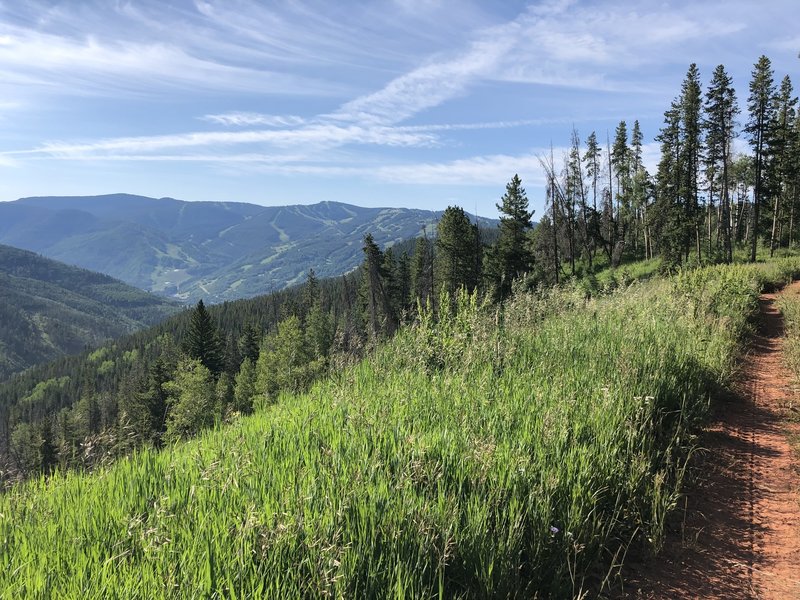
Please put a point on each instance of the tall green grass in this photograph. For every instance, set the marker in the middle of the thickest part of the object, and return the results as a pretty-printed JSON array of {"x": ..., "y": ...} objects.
[
  {"x": 789, "y": 305},
  {"x": 507, "y": 453}
]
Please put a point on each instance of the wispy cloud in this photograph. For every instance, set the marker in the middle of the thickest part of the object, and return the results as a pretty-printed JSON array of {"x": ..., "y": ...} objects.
[
  {"x": 552, "y": 43},
  {"x": 249, "y": 119},
  {"x": 311, "y": 138},
  {"x": 91, "y": 66},
  {"x": 427, "y": 86},
  {"x": 316, "y": 136}
]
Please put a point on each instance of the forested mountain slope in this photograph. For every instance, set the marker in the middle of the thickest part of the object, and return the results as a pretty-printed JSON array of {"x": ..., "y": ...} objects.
[
  {"x": 48, "y": 309},
  {"x": 212, "y": 250}
]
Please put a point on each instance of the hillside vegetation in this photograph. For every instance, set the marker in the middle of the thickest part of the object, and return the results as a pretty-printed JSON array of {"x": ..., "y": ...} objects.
[
  {"x": 48, "y": 309},
  {"x": 484, "y": 453}
]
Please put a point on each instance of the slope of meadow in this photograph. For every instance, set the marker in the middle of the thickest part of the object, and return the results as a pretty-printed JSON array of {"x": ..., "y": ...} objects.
[{"x": 483, "y": 454}]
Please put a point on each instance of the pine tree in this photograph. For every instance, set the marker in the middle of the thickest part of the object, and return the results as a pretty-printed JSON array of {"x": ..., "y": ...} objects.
[
  {"x": 422, "y": 272},
  {"x": 375, "y": 299},
  {"x": 669, "y": 214},
  {"x": 202, "y": 341},
  {"x": 248, "y": 343},
  {"x": 689, "y": 162},
  {"x": 511, "y": 256},
  {"x": 640, "y": 188},
  {"x": 620, "y": 160},
  {"x": 780, "y": 172},
  {"x": 311, "y": 292},
  {"x": 719, "y": 123},
  {"x": 576, "y": 197},
  {"x": 402, "y": 276},
  {"x": 761, "y": 108},
  {"x": 592, "y": 159},
  {"x": 319, "y": 332},
  {"x": 456, "y": 247}
]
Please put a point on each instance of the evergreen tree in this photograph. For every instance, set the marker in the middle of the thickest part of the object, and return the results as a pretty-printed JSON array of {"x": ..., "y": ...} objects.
[
  {"x": 375, "y": 298},
  {"x": 761, "y": 109},
  {"x": 636, "y": 147},
  {"x": 620, "y": 159},
  {"x": 202, "y": 341},
  {"x": 780, "y": 171},
  {"x": 249, "y": 343},
  {"x": 422, "y": 272},
  {"x": 402, "y": 276},
  {"x": 25, "y": 448},
  {"x": 311, "y": 292},
  {"x": 592, "y": 159},
  {"x": 457, "y": 245},
  {"x": 669, "y": 214},
  {"x": 511, "y": 256},
  {"x": 690, "y": 154},
  {"x": 640, "y": 190},
  {"x": 575, "y": 199},
  {"x": 719, "y": 124},
  {"x": 320, "y": 331}
]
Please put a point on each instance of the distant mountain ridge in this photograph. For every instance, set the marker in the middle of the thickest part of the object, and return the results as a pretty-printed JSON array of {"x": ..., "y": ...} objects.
[
  {"x": 213, "y": 250},
  {"x": 48, "y": 309}
]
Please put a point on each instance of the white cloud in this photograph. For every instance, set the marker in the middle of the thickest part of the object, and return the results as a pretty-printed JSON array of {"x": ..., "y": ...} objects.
[
  {"x": 248, "y": 119},
  {"x": 314, "y": 137},
  {"x": 309, "y": 138},
  {"x": 426, "y": 87},
  {"x": 90, "y": 65}
]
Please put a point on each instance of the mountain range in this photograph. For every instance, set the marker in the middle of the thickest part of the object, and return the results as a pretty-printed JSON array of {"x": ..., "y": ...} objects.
[
  {"x": 48, "y": 309},
  {"x": 212, "y": 250}
]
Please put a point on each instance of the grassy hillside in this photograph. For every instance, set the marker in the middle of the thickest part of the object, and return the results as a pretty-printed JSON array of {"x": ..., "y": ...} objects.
[
  {"x": 48, "y": 309},
  {"x": 486, "y": 454}
]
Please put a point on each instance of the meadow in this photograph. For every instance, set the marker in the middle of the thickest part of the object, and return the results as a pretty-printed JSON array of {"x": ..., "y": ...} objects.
[{"x": 511, "y": 452}]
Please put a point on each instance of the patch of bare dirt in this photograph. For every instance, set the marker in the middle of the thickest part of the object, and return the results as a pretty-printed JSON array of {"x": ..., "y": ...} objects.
[{"x": 739, "y": 535}]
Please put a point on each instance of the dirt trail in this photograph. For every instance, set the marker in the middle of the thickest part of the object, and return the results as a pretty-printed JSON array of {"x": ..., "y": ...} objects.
[{"x": 740, "y": 535}]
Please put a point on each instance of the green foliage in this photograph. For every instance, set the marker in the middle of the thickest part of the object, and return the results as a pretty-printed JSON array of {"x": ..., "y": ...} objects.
[
  {"x": 422, "y": 272},
  {"x": 244, "y": 389},
  {"x": 761, "y": 108},
  {"x": 202, "y": 341},
  {"x": 375, "y": 293},
  {"x": 458, "y": 252},
  {"x": 286, "y": 363},
  {"x": 511, "y": 258},
  {"x": 789, "y": 304},
  {"x": 483, "y": 452},
  {"x": 193, "y": 399}
]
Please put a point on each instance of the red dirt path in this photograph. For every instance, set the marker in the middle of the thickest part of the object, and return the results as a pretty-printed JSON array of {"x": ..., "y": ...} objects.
[{"x": 740, "y": 532}]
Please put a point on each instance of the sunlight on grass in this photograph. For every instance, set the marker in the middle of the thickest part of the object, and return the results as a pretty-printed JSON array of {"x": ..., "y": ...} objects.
[{"x": 483, "y": 453}]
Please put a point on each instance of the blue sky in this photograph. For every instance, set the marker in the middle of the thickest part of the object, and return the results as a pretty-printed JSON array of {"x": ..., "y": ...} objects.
[{"x": 416, "y": 103}]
